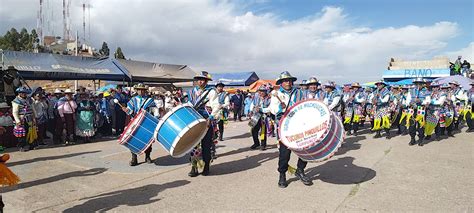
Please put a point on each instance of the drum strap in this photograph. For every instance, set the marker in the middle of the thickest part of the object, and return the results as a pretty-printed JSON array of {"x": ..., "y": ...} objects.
[{"x": 289, "y": 99}]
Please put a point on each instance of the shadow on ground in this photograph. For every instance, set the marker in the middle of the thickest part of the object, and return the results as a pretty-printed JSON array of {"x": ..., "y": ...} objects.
[
  {"x": 242, "y": 164},
  {"x": 128, "y": 197},
  {"x": 350, "y": 143},
  {"x": 340, "y": 171},
  {"x": 64, "y": 176},
  {"x": 40, "y": 159}
]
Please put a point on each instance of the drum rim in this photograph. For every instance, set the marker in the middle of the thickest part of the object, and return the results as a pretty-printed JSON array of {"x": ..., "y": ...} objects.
[
  {"x": 335, "y": 149},
  {"x": 180, "y": 135},
  {"x": 289, "y": 109},
  {"x": 168, "y": 114},
  {"x": 127, "y": 132}
]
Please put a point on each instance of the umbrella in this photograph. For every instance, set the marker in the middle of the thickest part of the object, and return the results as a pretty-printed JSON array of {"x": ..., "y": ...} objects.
[
  {"x": 463, "y": 81},
  {"x": 107, "y": 87}
]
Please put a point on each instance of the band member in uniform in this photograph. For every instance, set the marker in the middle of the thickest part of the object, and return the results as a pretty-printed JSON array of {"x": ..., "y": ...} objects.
[
  {"x": 260, "y": 104},
  {"x": 354, "y": 109},
  {"x": 369, "y": 107},
  {"x": 448, "y": 111},
  {"x": 304, "y": 85},
  {"x": 314, "y": 92},
  {"x": 203, "y": 100},
  {"x": 223, "y": 103},
  {"x": 381, "y": 114},
  {"x": 24, "y": 116},
  {"x": 281, "y": 100},
  {"x": 137, "y": 103},
  {"x": 417, "y": 111},
  {"x": 470, "y": 107},
  {"x": 459, "y": 98},
  {"x": 395, "y": 107},
  {"x": 332, "y": 98},
  {"x": 434, "y": 112},
  {"x": 405, "y": 99}
]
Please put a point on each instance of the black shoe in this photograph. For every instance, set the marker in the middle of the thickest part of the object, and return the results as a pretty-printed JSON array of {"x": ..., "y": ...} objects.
[
  {"x": 193, "y": 172},
  {"x": 134, "y": 162},
  {"x": 282, "y": 182},
  {"x": 205, "y": 172},
  {"x": 254, "y": 146},
  {"x": 148, "y": 159},
  {"x": 428, "y": 137},
  {"x": 420, "y": 142},
  {"x": 388, "y": 136},
  {"x": 263, "y": 148},
  {"x": 377, "y": 135},
  {"x": 354, "y": 134},
  {"x": 450, "y": 134},
  {"x": 348, "y": 133},
  {"x": 300, "y": 175},
  {"x": 412, "y": 142},
  {"x": 399, "y": 132},
  {"x": 438, "y": 138}
]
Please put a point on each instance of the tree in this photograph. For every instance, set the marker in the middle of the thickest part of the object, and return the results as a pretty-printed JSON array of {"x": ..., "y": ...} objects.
[
  {"x": 105, "y": 51},
  {"x": 119, "y": 54},
  {"x": 25, "y": 41}
]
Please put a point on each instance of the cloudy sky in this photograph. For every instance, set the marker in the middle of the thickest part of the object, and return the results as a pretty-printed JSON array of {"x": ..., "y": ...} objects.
[{"x": 341, "y": 40}]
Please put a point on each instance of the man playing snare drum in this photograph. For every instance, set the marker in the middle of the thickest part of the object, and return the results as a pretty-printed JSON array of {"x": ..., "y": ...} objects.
[
  {"x": 260, "y": 105},
  {"x": 281, "y": 100}
]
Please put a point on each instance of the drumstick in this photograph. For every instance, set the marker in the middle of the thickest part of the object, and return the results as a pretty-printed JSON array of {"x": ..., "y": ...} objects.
[
  {"x": 275, "y": 94},
  {"x": 117, "y": 102}
]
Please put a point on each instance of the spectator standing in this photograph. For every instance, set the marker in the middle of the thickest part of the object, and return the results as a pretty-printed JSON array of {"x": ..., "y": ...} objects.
[
  {"x": 57, "y": 121},
  {"x": 85, "y": 117},
  {"x": 7, "y": 139},
  {"x": 237, "y": 102},
  {"x": 120, "y": 116},
  {"x": 41, "y": 108},
  {"x": 67, "y": 111}
]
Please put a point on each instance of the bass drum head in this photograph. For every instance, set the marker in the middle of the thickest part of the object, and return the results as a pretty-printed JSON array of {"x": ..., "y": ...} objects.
[{"x": 188, "y": 139}]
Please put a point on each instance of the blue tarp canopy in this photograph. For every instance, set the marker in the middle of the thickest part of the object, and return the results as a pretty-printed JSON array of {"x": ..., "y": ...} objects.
[
  {"x": 45, "y": 66},
  {"x": 401, "y": 82},
  {"x": 234, "y": 79}
]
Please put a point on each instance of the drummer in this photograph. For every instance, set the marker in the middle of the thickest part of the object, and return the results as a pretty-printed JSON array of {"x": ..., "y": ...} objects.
[
  {"x": 223, "y": 103},
  {"x": 138, "y": 102},
  {"x": 281, "y": 100},
  {"x": 332, "y": 98},
  {"x": 259, "y": 105},
  {"x": 203, "y": 99}
]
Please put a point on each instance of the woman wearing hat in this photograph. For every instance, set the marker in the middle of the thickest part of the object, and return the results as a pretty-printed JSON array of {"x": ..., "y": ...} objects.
[
  {"x": 40, "y": 106},
  {"x": 448, "y": 111},
  {"x": 382, "y": 114},
  {"x": 354, "y": 109},
  {"x": 285, "y": 97},
  {"x": 223, "y": 103},
  {"x": 138, "y": 102},
  {"x": 7, "y": 139},
  {"x": 260, "y": 105},
  {"x": 67, "y": 108},
  {"x": 85, "y": 117},
  {"x": 25, "y": 117},
  {"x": 57, "y": 123},
  {"x": 203, "y": 99}
]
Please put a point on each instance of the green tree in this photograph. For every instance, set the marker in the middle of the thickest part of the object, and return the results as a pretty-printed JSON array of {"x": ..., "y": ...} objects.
[
  {"x": 119, "y": 54},
  {"x": 12, "y": 39},
  {"x": 25, "y": 42},
  {"x": 105, "y": 51}
]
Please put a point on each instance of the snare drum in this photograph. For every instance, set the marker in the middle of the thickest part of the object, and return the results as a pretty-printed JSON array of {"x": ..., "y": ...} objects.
[
  {"x": 181, "y": 129},
  {"x": 254, "y": 119},
  {"x": 138, "y": 135},
  {"x": 311, "y": 130}
]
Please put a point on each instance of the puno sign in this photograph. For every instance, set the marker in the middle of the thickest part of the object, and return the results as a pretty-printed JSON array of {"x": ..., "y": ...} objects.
[{"x": 413, "y": 73}]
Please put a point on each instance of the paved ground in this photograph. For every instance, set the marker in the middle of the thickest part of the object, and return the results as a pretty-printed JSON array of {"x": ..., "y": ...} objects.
[{"x": 365, "y": 175}]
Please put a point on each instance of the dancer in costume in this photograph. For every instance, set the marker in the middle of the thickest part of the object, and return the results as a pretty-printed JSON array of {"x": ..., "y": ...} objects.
[
  {"x": 260, "y": 105},
  {"x": 25, "y": 119},
  {"x": 354, "y": 109},
  {"x": 281, "y": 100},
  {"x": 137, "y": 103},
  {"x": 395, "y": 107},
  {"x": 469, "y": 116},
  {"x": 459, "y": 98},
  {"x": 417, "y": 111},
  {"x": 223, "y": 103},
  {"x": 203, "y": 99},
  {"x": 434, "y": 112},
  {"x": 7, "y": 177},
  {"x": 405, "y": 99},
  {"x": 446, "y": 124},
  {"x": 382, "y": 114}
]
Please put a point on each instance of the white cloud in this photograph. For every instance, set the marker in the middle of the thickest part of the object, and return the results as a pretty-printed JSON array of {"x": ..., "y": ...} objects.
[
  {"x": 467, "y": 53},
  {"x": 223, "y": 36}
]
